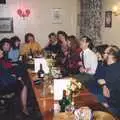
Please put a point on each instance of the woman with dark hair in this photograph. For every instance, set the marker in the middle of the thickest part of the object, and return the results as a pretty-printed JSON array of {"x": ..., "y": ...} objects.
[
  {"x": 14, "y": 52},
  {"x": 30, "y": 45},
  {"x": 73, "y": 43},
  {"x": 27, "y": 40},
  {"x": 74, "y": 55},
  {"x": 11, "y": 83},
  {"x": 5, "y": 46}
]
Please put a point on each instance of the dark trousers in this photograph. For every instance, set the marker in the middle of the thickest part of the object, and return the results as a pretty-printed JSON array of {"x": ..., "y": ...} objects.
[{"x": 7, "y": 109}]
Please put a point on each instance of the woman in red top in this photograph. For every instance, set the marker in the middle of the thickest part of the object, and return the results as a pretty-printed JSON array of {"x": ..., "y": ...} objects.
[
  {"x": 6, "y": 75},
  {"x": 74, "y": 57}
]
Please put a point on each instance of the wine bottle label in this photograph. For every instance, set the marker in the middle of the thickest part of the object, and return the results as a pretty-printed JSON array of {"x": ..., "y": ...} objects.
[
  {"x": 20, "y": 58},
  {"x": 42, "y": 75}
]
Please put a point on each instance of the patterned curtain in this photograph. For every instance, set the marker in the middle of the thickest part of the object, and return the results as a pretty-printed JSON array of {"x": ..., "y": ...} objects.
[{"x": 91, "y": 19}]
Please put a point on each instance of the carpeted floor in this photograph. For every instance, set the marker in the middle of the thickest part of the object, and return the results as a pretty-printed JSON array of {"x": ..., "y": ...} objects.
[{"x": 13, "y": 108}]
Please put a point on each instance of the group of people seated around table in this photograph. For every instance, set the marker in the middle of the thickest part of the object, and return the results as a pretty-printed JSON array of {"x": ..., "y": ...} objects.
[{"x": 98, "y": 67}]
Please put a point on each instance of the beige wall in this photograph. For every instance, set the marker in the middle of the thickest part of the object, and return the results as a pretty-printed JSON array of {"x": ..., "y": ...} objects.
[
  {"x": 78, "y": 15},
  {"x": 111, "y": 35},
  {"x": 40, "y": 20}
]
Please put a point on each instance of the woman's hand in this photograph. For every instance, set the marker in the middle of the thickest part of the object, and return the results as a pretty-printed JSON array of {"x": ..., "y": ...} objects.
[
  {"x": 106, "y": 91},
  {"x": 82, "y": 70},
  {"x": 66, "y": 53},
  {"x": 80, "y": 63}
]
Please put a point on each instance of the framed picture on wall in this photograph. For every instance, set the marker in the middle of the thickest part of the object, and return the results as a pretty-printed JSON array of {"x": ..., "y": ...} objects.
[
  {"x": 2, "y": 1},
  {"x": 57, "y": 16},
  {"x": 108, "y": 19},
  {"x": 6, "y": 25}
]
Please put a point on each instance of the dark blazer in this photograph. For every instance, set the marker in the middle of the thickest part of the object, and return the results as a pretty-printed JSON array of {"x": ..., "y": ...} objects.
[
  {"x": 54, "y": 48},
  {"x": 113, "y": 83},
  {"x": 100, "y": 71}
]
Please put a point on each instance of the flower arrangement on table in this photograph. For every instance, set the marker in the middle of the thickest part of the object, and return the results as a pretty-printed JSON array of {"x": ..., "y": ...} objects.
[
  {"x": 54, "y": 71},
  {"x": 50, "y": 63},
  {"x": 73, "y": 88}
]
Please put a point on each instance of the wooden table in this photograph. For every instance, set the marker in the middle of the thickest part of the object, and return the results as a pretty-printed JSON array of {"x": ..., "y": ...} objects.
[{"x": 45, "y": 102}]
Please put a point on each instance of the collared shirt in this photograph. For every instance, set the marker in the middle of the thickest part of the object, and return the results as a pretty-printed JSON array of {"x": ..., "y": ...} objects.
[{"x": 90, "y": 61}]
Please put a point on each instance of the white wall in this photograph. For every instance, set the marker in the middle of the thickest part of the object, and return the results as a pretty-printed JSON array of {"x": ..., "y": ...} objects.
[
  {"x": 40, "y": 21},
  {"x": 111, "y": 35}
]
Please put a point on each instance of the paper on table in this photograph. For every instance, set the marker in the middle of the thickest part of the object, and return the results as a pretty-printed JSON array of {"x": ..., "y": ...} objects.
[
  {"x": 59, "y": 86},
  {"x": 38, "y": 61}
]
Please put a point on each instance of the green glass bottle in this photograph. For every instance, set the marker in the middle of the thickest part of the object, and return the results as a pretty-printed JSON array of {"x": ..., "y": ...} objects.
[{"x": 64, "y": 102}]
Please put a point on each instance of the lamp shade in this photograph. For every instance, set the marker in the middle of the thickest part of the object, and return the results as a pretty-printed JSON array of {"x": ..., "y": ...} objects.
[
  {"x": 27, "y": 12},
  {"x": 23, "y": 13},
  {"x": 19, "y": 12}
]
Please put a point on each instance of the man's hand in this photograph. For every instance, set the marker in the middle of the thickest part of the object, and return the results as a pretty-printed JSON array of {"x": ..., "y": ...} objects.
[
  {"x": 106, "y": 91},
  {"x": 101, "y": 81}
]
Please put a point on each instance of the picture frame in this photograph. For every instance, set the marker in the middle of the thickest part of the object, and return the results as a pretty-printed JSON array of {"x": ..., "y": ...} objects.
[
  {"x": 57, "y": 16},
  {"x": 6, "y": 25},
  {"x": 108, "y": 19},
  {"x": 2, "y": 1}
]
